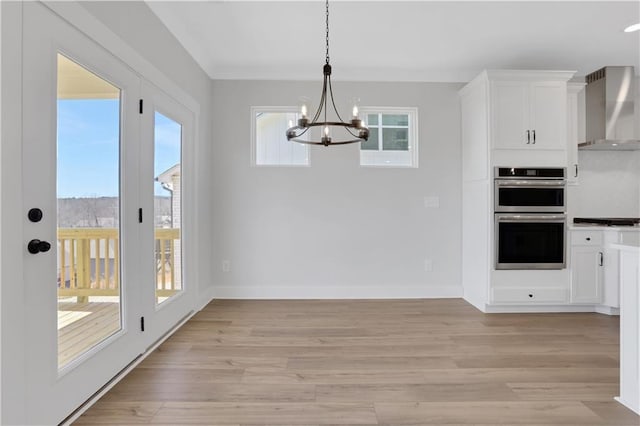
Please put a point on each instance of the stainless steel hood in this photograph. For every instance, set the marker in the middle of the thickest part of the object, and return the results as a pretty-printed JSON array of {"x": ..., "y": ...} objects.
[{"x": 610, "y": 115}]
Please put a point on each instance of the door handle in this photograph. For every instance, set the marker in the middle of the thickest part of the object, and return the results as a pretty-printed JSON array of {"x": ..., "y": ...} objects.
[
  {"x": 528, "y": 137},
  {"x": 601, "y": 258},
  {"x": 37, "y": 246},
  {"x": 534, "y": 136},
  {"x": 576, "y": 170}
]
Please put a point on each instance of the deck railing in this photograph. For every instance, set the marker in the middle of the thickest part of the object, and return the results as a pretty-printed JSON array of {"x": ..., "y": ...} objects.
[{"x": 89, "y": 262}]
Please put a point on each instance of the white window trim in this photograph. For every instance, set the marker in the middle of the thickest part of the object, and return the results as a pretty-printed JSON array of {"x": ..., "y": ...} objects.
[
  {"x": 282, "y": 109},
  {"x": 412, "y": 112}
]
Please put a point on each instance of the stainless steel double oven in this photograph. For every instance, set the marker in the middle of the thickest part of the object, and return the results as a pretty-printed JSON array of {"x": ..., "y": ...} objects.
[{"x": 530, "y": 218}]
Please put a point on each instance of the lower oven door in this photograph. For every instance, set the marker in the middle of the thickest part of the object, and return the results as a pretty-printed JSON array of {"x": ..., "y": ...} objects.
[{"x": 530, "y": 241}]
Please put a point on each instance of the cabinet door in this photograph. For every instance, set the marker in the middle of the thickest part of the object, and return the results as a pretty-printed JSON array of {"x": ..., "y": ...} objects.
[
  {"x": 548, "y": 126},
  {"x": 510, "y": 114},
  {"x": 586, "y": 274},
  {"x": 572, "y": 138}
]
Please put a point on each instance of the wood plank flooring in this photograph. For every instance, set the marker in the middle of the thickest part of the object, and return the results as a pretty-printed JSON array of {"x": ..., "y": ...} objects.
[
  {"x": 374, "y": 362},
  {"x": 83, "y": 325}
]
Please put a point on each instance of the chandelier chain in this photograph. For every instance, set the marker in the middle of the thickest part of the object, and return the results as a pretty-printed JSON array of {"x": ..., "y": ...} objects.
[{"x": 327, "y": 22}]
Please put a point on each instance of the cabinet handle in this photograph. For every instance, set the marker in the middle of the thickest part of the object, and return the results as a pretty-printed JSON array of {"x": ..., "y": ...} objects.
[
  {"x": 601, "y": 258},
  {"x": 528, "y": 137},
  {"x": 576, "y": 166},
  {"x": 534, "y": 136},
  {"x": 588, "y": 238}
]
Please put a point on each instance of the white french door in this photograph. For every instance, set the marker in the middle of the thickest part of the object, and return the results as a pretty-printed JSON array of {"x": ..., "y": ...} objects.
[
  {"x": 166, "y": 180},
  {"x": 104, "y": 271}
]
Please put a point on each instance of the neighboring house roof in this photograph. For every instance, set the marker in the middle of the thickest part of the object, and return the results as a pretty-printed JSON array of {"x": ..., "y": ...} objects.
[{"x": 165, "y": 177}]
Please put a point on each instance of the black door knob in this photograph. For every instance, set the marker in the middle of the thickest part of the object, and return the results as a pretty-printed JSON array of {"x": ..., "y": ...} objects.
[
  {"x": 37, "y": 246},
  {"x": 35, "y": 214}
]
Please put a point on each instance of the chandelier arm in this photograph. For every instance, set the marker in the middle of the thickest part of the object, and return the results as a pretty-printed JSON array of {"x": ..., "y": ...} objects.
[
  {"x": 306, "y": 129},
  {"x": 322, "y": 98},
  {"x": 352, "y": 134},
  {"x": 333, "y": 102},
  {"x": 327, "y": 78}
]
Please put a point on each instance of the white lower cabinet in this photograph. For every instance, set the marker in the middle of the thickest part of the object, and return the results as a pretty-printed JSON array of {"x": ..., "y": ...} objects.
[
  {"x": 594, "y": 265},
  {"x": 587, "y": 274}
]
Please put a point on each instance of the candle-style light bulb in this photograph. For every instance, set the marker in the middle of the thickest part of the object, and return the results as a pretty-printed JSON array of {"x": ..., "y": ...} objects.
[
  {"x": 326, "y": 130},
  {"x": 355, "y": 111},
  {"x": 303, "y": 103}
]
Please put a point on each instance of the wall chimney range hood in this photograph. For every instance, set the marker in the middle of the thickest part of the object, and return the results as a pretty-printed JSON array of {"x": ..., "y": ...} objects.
[{"x": 610, "y": 115}]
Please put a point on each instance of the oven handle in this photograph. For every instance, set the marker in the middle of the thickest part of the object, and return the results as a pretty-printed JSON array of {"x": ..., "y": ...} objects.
[
  {"x": 520, "y": 183},
  {"x": 530, "y": 217}
]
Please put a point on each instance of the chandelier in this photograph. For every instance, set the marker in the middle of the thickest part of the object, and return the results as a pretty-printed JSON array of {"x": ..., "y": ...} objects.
[{"x": 355, "y": 128}]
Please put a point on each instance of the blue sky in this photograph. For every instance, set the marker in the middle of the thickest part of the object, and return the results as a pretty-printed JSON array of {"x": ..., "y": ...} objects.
[{"x": 88, "y": 147}]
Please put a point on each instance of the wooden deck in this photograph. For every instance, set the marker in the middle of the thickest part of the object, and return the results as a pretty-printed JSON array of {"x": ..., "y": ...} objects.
[
  {"x": 83, "y": 325},
  {"x": 374, "y": 362}
]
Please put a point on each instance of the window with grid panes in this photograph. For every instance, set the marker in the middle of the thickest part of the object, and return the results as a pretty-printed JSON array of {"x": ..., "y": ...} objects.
[{"x": 393, "y": 138}]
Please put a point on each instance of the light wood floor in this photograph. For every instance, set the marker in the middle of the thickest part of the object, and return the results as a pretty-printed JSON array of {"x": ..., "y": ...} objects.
[
  {"x": 83, "y": 325},
  {"x": 409, "y": 362}
]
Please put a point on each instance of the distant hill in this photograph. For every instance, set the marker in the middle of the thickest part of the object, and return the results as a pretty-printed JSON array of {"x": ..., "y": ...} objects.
[{"x": 103, "y": 212}]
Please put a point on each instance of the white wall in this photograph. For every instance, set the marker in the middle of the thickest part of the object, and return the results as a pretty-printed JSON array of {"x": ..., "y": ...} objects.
[
  {"x": 335, "y": 229},
  {"x": 609, "y": 185},
  {"x": 158, "y": 46}
]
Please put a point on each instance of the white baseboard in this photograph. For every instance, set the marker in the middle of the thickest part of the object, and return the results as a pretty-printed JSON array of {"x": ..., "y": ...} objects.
[
  {"x": 479, "y": 305},
  {"x": 607, "y": 310},
  {"x": 203, "y": 299},
  {"x": 514, "y": 309},
  {"x": 338, "y": 292},
  {"x": 631, "y": 405}
]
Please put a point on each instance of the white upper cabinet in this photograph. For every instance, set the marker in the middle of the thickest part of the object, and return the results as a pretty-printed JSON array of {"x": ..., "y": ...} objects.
[
  {"x": 529, "y": 114},
  {"x": 575, "y": 128}
]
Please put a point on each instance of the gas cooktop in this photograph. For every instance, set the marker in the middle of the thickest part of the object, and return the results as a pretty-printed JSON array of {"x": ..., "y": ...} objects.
[{"x": 608, "y": 221}]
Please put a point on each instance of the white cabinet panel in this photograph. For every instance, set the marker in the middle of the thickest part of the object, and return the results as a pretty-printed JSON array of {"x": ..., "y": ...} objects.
[
  {"x": 534, "y": 294},
  {"x": 575, "y": 128},
  {"x": 586, "y": 238},
  {"x": 510, "y": 114},
  {"x": 529, "y": 115},
  {"x": 586, "y": 274},
  {"x": 548, "y": 115}
]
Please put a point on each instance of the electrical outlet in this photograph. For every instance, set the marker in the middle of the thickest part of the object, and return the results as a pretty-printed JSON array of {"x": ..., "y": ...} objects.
[
  {"x": 428, "y": 265},
  {"x": 226, "y": 266},
  {"x": 432, "y": 202}
]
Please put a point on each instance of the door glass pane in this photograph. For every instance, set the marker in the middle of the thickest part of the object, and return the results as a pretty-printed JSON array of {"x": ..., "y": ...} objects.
[
  {"x": 167, "y": 207},
  {"x": 88, "y": 194}
]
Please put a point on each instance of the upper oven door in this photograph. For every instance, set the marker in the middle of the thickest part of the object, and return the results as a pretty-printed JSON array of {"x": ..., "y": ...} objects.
[{"x": 529, "y": 195}]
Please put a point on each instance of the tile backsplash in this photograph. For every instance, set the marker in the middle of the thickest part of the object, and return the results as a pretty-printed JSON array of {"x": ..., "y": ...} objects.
[{"x": 609, "y": 185}]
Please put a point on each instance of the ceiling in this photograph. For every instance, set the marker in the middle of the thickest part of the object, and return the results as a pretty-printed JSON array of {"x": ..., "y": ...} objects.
[{"x": 446, "y": 41}]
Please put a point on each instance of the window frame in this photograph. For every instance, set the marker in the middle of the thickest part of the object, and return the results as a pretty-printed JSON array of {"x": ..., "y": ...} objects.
[
  {"x": 254, "y": 141},
  {"x": 381, "y": 154}
]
